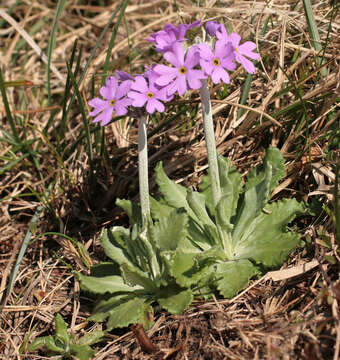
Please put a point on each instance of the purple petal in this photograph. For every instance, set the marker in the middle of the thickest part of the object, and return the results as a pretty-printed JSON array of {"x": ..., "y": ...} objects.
[
  {"x": 212, "y": 27},
  {"x": 123, "y": 88},
  {"x": 228, "y": 62},
  {"x": 140, "y": 84},
  {"x": 109, "y": 90},
  {"x": 154, "y": 104},
  {"x": 205, "y": 51},
  {"x": 177, "y": 54},
  {"x": 247, "y": 64},
  {"x": 165, "y": 80},
  {"x": 194, "y": 77},
  {"x": 220, "y": 74},
  {"x": 223, "y": 49},
  {"x": 235, "y": 39},
  {"x": 207, "y": 66},
  {"x": 105, "y": 117},
  {"x": 138, "y": 99},
  {"x": 163, "y": 69},
  {"x": 192, "y": 58},
  {"x": 182, "y": 85},
  {"x": 246, "y": 49},
  {"x": 122, "y": 75}
]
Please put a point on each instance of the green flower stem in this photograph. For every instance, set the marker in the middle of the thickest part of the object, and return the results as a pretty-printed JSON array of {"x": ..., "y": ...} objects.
[
  {"x": 210, "y": 142},
  {"x": 143, "y": 169}
]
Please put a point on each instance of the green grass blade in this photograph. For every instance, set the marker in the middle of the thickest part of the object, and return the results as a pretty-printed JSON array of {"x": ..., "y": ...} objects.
[
  {"x": 27, "y": 239},
  {"x": 113, "y": 38},
  {"x": 336, "y": 203},
  {"x": 101, "y": 36},
  {"x": 245, "y": 94},
  {"x": 83, "y": 113},
  {"x": 7, "y": 109},
  {"x": 314, "y": 32},
  {"x": 51, "y": 44}
]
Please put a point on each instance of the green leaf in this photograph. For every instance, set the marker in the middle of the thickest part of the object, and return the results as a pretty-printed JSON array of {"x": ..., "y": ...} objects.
[
  {"x": 129, "y": 312},
  {"x": 106, "y": 284},
  {"x": 230, "y": 182},
  {"x": 133, "y": 276},
  {"x": 61, "y": 330},
  {"x": 103, "y": 309},
  {"x": 169, "y": 231},
  {"x": 267, "y": 240},
  {"x": 188, "y": 270},
  {"x": 38, "y": 343},
  {"x": 174, "y": 194},
  {"x": 273, "y": 158},
  {"x": 48, "y": 342},
  {"x": 114, "y": 241},
  {"x": 82, "y": 352},
  {"x": 132, "y": 209},
  {"x": 159, "y": 210},
  {"x": 175, "y": 300},
  {"x": 91, "y": 338},
  {"x": 234, "y": 276},
  {"x": 253, "y": 202}
]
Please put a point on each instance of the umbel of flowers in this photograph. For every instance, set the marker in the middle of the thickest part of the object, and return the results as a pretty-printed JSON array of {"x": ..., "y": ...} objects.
[
  {"x": 187, "y": 68},
  {"x": 187, "y": 243}
]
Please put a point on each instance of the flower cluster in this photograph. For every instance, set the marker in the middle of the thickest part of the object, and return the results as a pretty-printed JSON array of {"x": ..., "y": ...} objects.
[{"x": 160, "y": 83}]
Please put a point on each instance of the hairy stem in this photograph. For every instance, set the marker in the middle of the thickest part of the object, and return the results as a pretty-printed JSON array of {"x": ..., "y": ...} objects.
[
  {"x": 210, "y": 142},
  {"x": 143, "y": 169}
]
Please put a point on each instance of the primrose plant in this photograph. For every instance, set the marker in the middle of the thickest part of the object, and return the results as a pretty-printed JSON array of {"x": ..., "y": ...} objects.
[{"x": 187, "y": 243}]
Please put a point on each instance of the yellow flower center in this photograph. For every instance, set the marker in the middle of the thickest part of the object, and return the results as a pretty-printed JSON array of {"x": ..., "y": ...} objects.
[
  {"x": 112, "y": 102},
  {"x": 235, "y": 48},
  {"x": 182, "y": 70},
  {"x": 150, "y": 95},
  {"x": 216, "y": 62}
]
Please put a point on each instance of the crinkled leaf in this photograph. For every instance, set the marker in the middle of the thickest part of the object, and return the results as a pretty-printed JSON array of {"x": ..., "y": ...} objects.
[
  {"x": 230, "y": 181},
  {"x": 234, "y": 276},
  {"x": 159, "y": 210},
  {"x": 126, "y": 313},
  {"x": 175, "y": 300},
  {"x": 275, "y": 159},
  {"x": 133, "y": 276},
  {"x": 252, "y": 204},
  {"x": 198, "y": 236},
  {"x": 170, "y": 230},
  {"x": 267, "y": 240},
  {"x": 102, "y": 310},
  {"x": 48, "y": 342},
  {"x": 61, "y": 330},
  {"x": 196, "y": 202},
  {"x": 188, "y": 270},
  {"x": 91, "y": 338},
  {"x": 106, "y": 284},
  {"x": 132, "y": 209},
  {"x": 105, "y": 268},
  {"x": 174, "y": 194},
  {"x": 82, "y": 352},
  {"x": 114, "y": 241},
  {"x": 45, "y": 341}
]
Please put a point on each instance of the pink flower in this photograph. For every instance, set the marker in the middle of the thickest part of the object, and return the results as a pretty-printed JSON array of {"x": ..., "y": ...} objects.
[
  {"x": 212, "y": 27},
  {"x": 182, "y": 76},
  {"x": 164, "y": 39},
  {"x": 243, "y": 50},
  {"x": 115, "y": 100},
  {"x": 215, "y": 63},
  {"x": 147, "y": 92}
]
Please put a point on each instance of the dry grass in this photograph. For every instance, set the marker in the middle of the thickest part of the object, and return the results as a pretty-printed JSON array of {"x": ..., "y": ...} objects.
[{"x": 289, "y": 315}]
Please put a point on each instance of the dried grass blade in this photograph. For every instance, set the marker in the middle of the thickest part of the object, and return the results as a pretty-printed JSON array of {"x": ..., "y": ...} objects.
[
  {"x": 31, "y": 42},
  {"x": 51, "y": 44}
]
